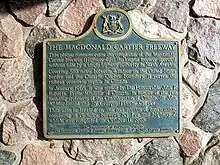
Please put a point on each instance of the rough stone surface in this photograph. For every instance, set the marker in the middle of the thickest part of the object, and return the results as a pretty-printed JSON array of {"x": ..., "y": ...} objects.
[
  {"x": 90, "y": 151},
  {"x": 74, "y": 18},
  {"x": 37, "y": 36},
  {"x": 123, "y": 4},
  {"x": 25, "y": 24},
  {"x": 209, "y": 116},
  {"x": 147, "y": 6},
  {"x": 55, "y": 7},
  {"x": 17, "y": 79},
  {"x": 198, "y": 77},
  {"x": 21, "y": 124},
  {"x": 29, "y": 12},
  {"x": 211, "y": 155},
  {"x": 209, "y": 8},
  {"x": 3, "y": 110},
  {"x": 161, "y": 151},
  {"x": 135, "y": 158},
  {"x": 183, "y": 52},
  {"x": 188, "y": 103},
  {"x": 35, "y": 155},
  {"x": 189, "y": 142},
  {"x": 172, "y": 14},
  {"x": 147, "y": 27},
  {"x": 204, "y": 41},
  {"x": 7, "y": 157},
  {"x": 3, "y": 11},
  {"x": 11, "y": 37}
]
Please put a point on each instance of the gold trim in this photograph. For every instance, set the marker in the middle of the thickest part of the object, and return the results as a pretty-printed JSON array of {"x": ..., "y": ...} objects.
[
  {"x": 93, "y": 27},
  {"x": 109, "y": 136}
]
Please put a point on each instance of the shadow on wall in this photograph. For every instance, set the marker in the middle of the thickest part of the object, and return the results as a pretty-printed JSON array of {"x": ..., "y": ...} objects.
[
  {"x": 38, "y": 75},
  {"x": 20, "y": 4},
  {"x": 87, "y": 25},
  {"x": 11, "y": 6}
]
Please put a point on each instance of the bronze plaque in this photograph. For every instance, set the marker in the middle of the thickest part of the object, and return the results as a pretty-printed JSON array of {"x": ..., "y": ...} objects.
[{"x": 111, "y": 83}]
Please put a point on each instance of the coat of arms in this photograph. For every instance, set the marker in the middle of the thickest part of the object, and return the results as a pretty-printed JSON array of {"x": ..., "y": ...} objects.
[{"x": 112, "y": 24}]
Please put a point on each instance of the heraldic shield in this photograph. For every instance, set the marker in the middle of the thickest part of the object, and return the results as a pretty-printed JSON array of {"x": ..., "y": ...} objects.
[{"x": 113, "y": 24}]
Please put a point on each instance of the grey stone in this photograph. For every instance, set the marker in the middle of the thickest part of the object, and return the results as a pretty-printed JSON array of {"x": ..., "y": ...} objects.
[
  {"x": 135, "y": 158},
  {"x": 7, "y": 157},
  {"x": 211, "y": 156},
  {"x": 209, "y": 116},
  {"x": 149, "y": 28},
  {"x": 204, "y": 41},
  {"x": 123, "y": 4},
  {"x": 199, "y": 78},
  {"x": 103, "y": 150},
  {"x": 55, "y": 7},
  {"x": 37, "y": 35},
  {"x": 208, "y": 8},
  {"x": 3, "y": 10},
  {"x": 172, "y": 14},
  {"x": 188, "y": 103},
  {"x": 162, "y": 151},
  {"x": 22, "y": 123},
  {"x": 147, "y": 5},
  {"x": 3, "y": 109},
  {"x": 17, "y": 79}
]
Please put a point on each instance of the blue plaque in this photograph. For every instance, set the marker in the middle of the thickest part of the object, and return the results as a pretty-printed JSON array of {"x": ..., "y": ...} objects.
[{"x": 111, "y": 83}]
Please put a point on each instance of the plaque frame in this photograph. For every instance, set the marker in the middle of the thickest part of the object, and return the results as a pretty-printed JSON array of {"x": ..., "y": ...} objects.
[{"x": 93, "y": 27}]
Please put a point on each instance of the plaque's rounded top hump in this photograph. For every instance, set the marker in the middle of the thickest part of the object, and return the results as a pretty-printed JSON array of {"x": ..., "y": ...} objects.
[{"x": 112, "y": 24}]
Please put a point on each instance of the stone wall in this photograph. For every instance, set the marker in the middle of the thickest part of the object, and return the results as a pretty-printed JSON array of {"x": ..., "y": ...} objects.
[{"x": 25, "y": 24}]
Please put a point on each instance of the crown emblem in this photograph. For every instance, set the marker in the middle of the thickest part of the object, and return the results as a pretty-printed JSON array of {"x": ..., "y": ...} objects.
[{"x": 112, "y": 25}]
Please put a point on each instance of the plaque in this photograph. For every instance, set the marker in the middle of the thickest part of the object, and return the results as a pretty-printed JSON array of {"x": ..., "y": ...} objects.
[{"x": 111, "y": 82}]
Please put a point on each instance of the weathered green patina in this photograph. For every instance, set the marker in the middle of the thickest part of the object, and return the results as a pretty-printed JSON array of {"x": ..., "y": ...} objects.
[{"x": 111, "y": 83}]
